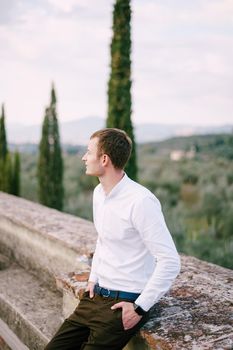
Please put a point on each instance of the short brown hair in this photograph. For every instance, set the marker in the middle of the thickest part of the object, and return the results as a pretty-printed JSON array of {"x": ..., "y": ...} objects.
[{"x": 116, "y": 144}]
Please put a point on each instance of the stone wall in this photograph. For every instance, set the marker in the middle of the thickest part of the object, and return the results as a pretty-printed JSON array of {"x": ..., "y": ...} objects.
[
  {"x": 41, "y": 245},
  {"x": 44, "y": 240}
]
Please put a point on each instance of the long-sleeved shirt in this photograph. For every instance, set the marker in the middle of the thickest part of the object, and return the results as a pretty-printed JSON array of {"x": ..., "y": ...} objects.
[{"x": 134, "y": 251}]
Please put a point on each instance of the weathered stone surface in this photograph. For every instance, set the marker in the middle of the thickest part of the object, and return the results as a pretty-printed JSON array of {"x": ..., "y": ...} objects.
[
  {"x": 73, "y": 282},
  {"x": 4, "y": 262},
  {"x": 74, "y": 232},
  {"x": 43, "y": 239},
  {"x": 197, "y": 314}
]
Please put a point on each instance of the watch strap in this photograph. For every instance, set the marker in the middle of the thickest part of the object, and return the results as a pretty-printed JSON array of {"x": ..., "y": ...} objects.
[{"x": 139, "y": 310}]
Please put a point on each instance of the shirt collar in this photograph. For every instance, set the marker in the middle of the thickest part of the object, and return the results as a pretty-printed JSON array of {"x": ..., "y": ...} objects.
[{"x": 116, "y": 189}]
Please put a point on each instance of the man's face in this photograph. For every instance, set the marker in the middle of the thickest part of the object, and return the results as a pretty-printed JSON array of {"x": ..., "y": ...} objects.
[{"x": 92, "y": 160}]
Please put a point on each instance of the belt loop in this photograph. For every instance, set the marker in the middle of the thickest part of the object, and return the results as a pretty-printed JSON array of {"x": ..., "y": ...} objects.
[{"x": 117, "y": 294}]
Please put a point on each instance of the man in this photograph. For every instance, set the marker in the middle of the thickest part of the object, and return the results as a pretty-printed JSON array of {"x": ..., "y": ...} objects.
[{"x": 135, "y": 259}]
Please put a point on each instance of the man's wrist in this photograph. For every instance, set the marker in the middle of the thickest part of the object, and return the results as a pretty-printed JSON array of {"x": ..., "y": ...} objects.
[{"x": 139, "y": 310}]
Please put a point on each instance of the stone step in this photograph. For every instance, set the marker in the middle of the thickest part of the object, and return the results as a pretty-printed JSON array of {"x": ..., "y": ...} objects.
[
  {"x": 8, "y": 340},
  {"x": 31, "y": 310}
]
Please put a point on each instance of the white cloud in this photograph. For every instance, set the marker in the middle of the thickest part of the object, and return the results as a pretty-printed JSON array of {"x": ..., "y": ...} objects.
[{"x": 182, "y": 58}]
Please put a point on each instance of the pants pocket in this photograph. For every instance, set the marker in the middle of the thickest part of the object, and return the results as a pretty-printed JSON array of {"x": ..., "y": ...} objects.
[{"x": 118, "y": 313}]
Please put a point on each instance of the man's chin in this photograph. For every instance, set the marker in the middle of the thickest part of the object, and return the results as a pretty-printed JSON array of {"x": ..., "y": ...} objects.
[{"x": 89, "y": 173}]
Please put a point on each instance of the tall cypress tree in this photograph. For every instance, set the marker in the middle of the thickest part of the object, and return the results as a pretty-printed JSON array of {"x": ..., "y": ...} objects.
[
  {"x": 50, "y": 163},
  {"x": 15, "y": 183},
  {"x": 7, "y": 187},
  {"x": 57, "y": 163},
  {"x": 3, "y": 152},
  {"x": 43, "y": 163},
  {"x": 119, "y": 85},
  {"x": 9, "y": 172},
  {"x": 3, "y": 141}
]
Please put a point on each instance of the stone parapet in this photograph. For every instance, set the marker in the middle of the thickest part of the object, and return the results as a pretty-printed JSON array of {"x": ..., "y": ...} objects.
[{"x": 44, "y": 240}]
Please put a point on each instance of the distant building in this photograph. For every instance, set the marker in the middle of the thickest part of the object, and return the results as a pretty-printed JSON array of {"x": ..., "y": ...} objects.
[{"x": 179, "y": 154}]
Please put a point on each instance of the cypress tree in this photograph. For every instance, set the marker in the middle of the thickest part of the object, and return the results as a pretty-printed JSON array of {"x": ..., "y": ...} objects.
[
  {"x": 15, "y": 186},
  {"x": 3, "y": 141},
  {"x": 9, "y": 172},
  {"x": 44, "y": 157},
  {"x": 119, "y": 85},
  {"x": 3, "y": 152},
  {"x": 50, "y": 163},
  {"x": 3, "y": 175},
  {"x": 7, "y": 186}
]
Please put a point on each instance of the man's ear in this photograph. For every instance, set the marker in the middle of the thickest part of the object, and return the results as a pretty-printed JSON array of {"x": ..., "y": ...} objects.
[{"x": 105, "y": 159}]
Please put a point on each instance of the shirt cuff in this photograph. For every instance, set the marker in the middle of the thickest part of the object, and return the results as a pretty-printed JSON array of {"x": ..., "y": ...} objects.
[{"x": 145, "y": 305}]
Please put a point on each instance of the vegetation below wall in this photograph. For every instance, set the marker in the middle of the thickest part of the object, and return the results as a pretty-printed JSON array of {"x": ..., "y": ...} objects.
[{"x": 196, "y": 193}]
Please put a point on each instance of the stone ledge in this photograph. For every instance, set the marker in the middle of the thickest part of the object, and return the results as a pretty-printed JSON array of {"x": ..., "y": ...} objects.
[
  {"x": 44, "y": 240},
  {"x": 75, "y": 233},
  {"x": 196, "y": 314}
]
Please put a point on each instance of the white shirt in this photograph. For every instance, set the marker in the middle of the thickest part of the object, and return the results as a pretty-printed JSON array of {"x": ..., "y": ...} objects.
[{"x": 134, "y": 250}]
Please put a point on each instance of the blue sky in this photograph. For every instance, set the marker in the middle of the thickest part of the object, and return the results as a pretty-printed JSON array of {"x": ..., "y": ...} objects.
[{"x": 182, "y": 59}]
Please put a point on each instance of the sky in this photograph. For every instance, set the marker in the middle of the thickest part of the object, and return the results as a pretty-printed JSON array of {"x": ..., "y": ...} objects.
[{"x": 182, "y": 59}]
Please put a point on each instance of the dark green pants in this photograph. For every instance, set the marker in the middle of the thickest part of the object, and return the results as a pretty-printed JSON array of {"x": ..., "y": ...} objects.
[{"x": 94, "y": 326}]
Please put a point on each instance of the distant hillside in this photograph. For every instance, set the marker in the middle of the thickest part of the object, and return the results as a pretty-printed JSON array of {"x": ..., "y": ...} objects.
[
  {"x": 219, "y": 145},
  {"x": 74, "y": 132},
  {"x": 216, "y": 145},
  {"x": 77, "y": 132}
]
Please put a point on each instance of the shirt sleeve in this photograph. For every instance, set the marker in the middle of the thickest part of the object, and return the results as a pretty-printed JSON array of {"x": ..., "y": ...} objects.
[{"x": 149, "y": 221}]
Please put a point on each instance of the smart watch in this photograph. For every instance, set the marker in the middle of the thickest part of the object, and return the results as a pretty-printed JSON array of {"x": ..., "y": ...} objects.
[{"x": 139, "y": 310}]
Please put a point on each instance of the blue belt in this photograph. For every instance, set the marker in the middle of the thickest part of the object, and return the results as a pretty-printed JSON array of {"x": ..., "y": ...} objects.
[{"x": 107, "y": 293}]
